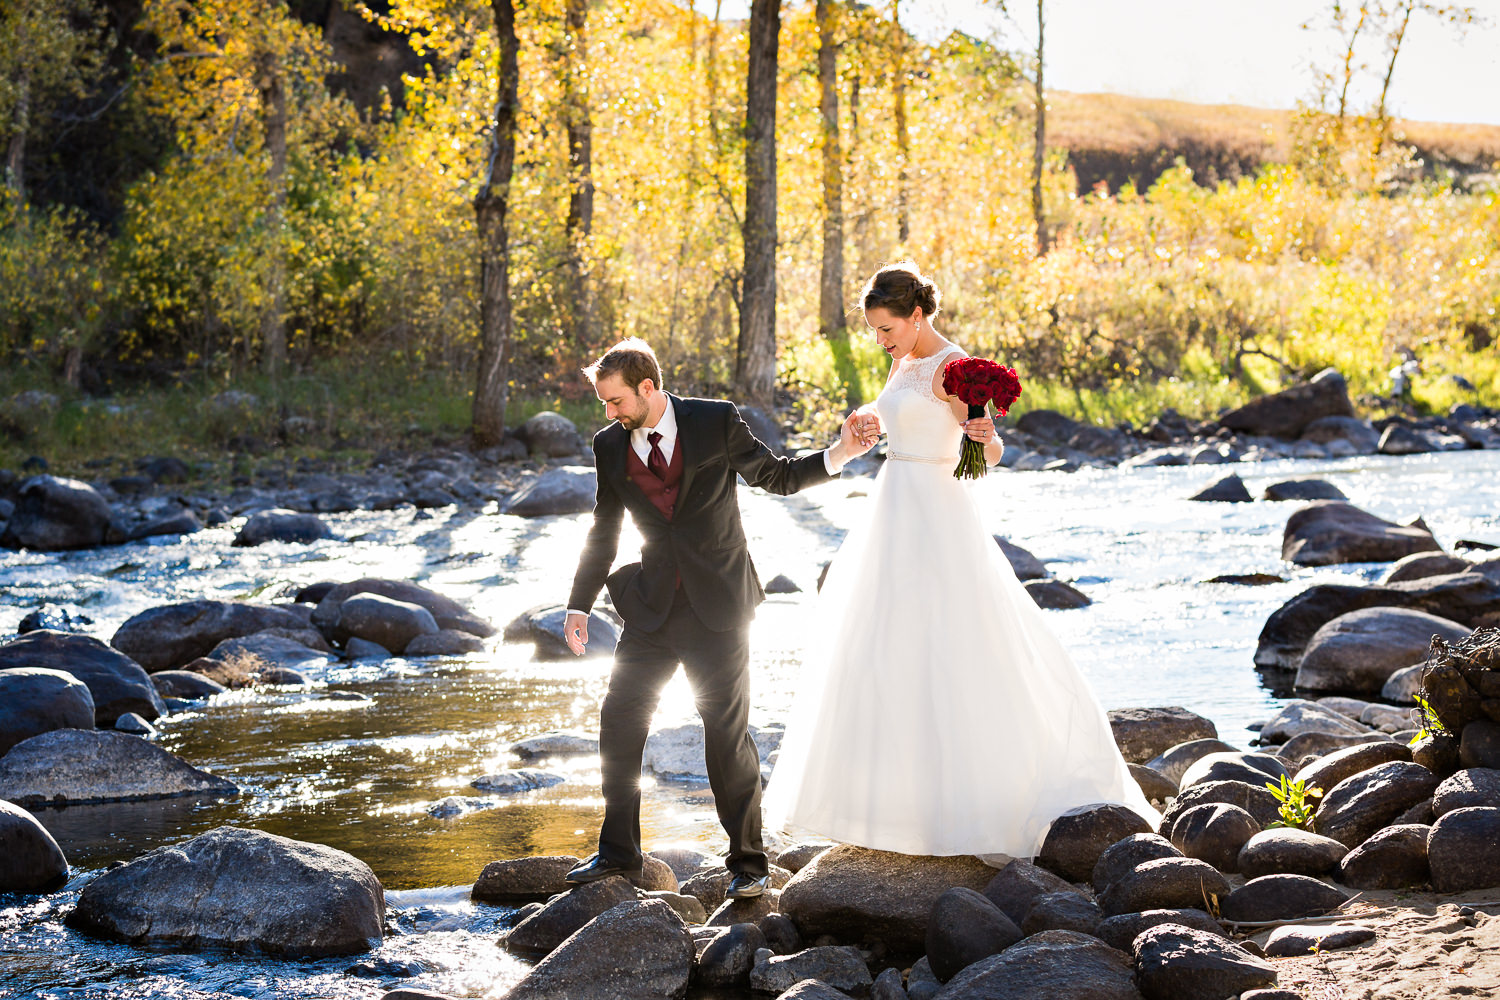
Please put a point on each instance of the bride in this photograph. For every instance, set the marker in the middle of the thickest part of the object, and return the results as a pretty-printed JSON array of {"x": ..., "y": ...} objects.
[{"x": 941, "y": 715}]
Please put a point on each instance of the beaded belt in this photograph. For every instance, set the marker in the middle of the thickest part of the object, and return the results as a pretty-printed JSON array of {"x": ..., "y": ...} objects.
[{"x": 900, "y": 457}]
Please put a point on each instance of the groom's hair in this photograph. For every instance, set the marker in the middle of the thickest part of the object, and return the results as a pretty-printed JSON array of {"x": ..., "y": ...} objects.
[{"x": 632, "y": 359}]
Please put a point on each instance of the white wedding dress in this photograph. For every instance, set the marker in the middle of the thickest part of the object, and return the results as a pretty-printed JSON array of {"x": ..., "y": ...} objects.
[{"x": 938, "y": 714}]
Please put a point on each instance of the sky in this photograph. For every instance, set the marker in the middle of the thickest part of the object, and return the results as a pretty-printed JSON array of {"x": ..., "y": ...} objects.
[{"x": 1218, "y": 52}]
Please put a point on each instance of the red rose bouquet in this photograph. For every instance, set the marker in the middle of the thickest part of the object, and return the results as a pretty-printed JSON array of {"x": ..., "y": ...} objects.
[{"x": 978, "y": 382}]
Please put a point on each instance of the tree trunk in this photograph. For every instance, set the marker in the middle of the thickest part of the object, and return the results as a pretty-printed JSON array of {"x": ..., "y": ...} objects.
[
  {"x": 1382, "y": 124},
  {"x": 490, "y": 204},
  {"x": 1039, "y": 150},
  {"x": 580, "y": 311},
  {"x": 831, "y": 311},
  {"x": 15, "y": 154},
  {"x": 864, "y": 247},
  {"x": 755, "y": 368},
  {"x": 273, "y": 320},
  {"x": 903, "y": 138}
]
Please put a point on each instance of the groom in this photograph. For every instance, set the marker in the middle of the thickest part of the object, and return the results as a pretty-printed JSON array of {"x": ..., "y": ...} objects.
[{"x": 673, "y": 464}]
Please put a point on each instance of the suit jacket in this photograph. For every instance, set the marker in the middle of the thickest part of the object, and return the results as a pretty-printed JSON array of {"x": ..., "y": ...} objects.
[{"x": 704, "y": 541}]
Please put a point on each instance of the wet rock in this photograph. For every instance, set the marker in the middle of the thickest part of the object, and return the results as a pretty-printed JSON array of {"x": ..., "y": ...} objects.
[
  {"x": 543, "y": 626},
  {"x": 678, "y": 753},
  {"x": 963, "y": 928},
  {"x": 1050, "y": 964},
  {"x": 1018, "y": 884},
  {"x": 1290, "y": 851},
  {"x": 1164, "y": 884},
  {"x": 280, "y": 677},
  {"x": 36, "y": 700},
  {"x": 1463, "y": 849},
  {"x": 1174, "y": 962},
  {"x": 1062, "y": 911},
  {"x": 728, "y": 959},
  {"x": 689, "y": 909},
  {"x": 541, "y": 932},
  {"x": 239, "y": 889},
  {"x": 1121, "y": 931},
  {"x": 265, "y": 653},
  {"x": 556, "y": 491},
  {"x": 1393, "y": 858},
  {"x": 1157, "y": 787},
  {"x": 447, "y": 612},
  {"x": 1054, "y": 595},
  {"x": 782, "y": 936},
  {"x": 171, "y": 636},
  {"x": 282, "y": 526},
  {"x": 1288, "y": 413},
  {"x": 1215, "y": 833},
  {"x": 798, "y": 856},
  {"x": 782, "y": 584},
  {"x": 444, "y": 642},
  {"x": 1399, "y": 439},
  {"x": 1300, "y": 716},
  {"x": 1251, "y": 768},
  {"x": 1125, "y": 854},
  {"x": 557, "y": 743},
  {"x": 1143, "y": 733},
  {"x": 638, "y": 949},
  {"x": 1255, "y": 799},
  {"x": 1304, "y": 489},
  {"x": 391, "y": 624},
  {"x": 116, "y": 683},
  {"x": 53, "y": 619},
  {"x": 1465, "y": 598},
  {"x": 1075, "y": 841},
  {"x": 1174, "y": 761},
  {"x": 523, "y": 880},
  {"x": 858, "y": 894},
  {"x": 1326, "y": 772},
  {"x": 1321, "y": 744},
  {"x": 363, "y": 649},
  {"x": 1479, "y": 744},
  {"x": 1421, "y": 565},
  {"x": 1025, "y": 565},
  {"x": 1475, "y": 786},
  {"x": 134, "y": 724},
  {"x": 709, "y": 886},
  {"x": 521, "y": 779},
  {"x": 1230, "y": 489},
  {"x": 1327, "y": 532},
  {"x": 1363, "y": 438},
  {"x": 1297, "y": 940},
  {"x": 1281, "y": 897},
  {"x": 182, "y": 522},
  {"x": 838, "y": 966},
  {"x": 30, "y": 860},
  {"x": 744, "y": 911},
  {"x": 52, "y": 514},
  {"x": 75, "y": 766},
  {"x": 185, "y": 684},
  {"x": 1357, "y": 652},
  {"x": 1359, "y": 805}
]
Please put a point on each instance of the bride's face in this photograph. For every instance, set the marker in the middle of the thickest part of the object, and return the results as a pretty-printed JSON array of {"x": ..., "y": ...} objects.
[{"x": 896, "y": 334}]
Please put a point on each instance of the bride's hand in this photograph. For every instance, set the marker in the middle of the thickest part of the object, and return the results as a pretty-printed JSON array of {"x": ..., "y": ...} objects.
[
  {"x": 867, "y": 427},
  {"x": 981, "y": 429}
]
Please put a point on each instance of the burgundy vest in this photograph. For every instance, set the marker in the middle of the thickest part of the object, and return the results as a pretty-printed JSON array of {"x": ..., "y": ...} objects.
[{"x": 661, "y": 492}]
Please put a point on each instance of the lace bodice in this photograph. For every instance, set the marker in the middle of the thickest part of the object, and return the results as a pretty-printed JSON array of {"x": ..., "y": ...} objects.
[{"x": 917, "y": 423}]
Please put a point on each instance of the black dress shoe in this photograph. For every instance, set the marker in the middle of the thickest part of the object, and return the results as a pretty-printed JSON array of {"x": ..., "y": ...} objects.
[
  {"x": 597, "y": 868},
  {"x": 744, "y": 886}
]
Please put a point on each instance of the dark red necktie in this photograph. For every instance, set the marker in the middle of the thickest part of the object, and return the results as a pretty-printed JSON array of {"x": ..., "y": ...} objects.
[{"x": 656, "y": 461}]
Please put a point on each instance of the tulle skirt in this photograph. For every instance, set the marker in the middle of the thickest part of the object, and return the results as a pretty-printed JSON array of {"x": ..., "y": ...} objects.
[{"x": 937, "y": 714}]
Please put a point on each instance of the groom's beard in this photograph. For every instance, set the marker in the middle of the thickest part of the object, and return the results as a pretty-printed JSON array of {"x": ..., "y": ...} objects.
[{"x": 630, "y": 421}]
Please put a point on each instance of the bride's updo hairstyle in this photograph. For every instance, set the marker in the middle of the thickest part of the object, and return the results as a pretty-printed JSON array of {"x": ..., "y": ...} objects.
[{"x": 901, "y": 289}]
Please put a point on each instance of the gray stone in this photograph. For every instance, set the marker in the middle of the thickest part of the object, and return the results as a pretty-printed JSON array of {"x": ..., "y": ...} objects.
[
  {"x": 1479, "y": 743},
  {"x": 1359, "y": 651},
  {"x": 551, "y": 435},
  {"x": 838, "y": 966},
  {"x": 1165, "y": 884},
  {"x": 1327, "y": 532},
  {"x": 782, "y": 936},
  {"x": 50, "y": 617},
  {"x": 798, "y": 856},
  {"x": 745, "y": 911},
  {"x": 53, "y": 514},
  {"x": 1025, "y": 565},
  {"x": 556, "y": 491},
  {"x": 1214, "y": 832},
  {"x": 392, "y": 624},
  {"x": 1403, "y": 686},
  {"x": 1122, "y": 930},
  {"x": 1399, "y": 439},
  {"x": 543, "y": 626},
  {"x": 264, "y": 652},
  {"x": 168, "y": 637},
  {"x": 1125, "y": 854},
  {"x": 812, "y": 989},
  {"x": 132, "y": 723},
  {"x": 36, "y": 700},
  {"x": 637, "y": 949},
  {"x": 689, "y": 909},
  {"x": 1144, "y": 733},
  {"x": 1393, "y": 858},
  {"x": 1326, "y": 772},
  {"x": 1255, "y": 799},
  {"x": 1420, "y": 565},
  {"x": 1174, "y": 761},
  {"x": 1075, "y": 841},
  {"x": 557, "y": 743},
  {"x": 185, "y": 684},
  {"x": 1018, "y": 884},
  {"x": 1296, "y": 940},
  {"x": 1304, "y": 489},
  {"x": 282, "y": 526},
  {"x": 1281, "y": 897},
  {"x": 1290, "y": 851},
  {"x": 444, "y": 642},
  {"x": 1048, "y": 965},
  {"x": 75, "y": 766},
  {"x": 362, "y": 649},
  {"x": 1319, "y": 745},
  {"x": 888, "y": 986},
  {"x": 523, "y": 880},
  {"x": 1230, "y": 489},
  {"x": 963, "y": 928},
  {"x": 1251, "y": 768},
  {"x": 239, "y": 889},
  {"x": 1055, "y": 595},
  {"x": 1361, "y": 436},
  {"x": 1157, "y": 787},
  {"x": 710, "y": 885},
  {"x": 181, "y": 522},
  {"x": 540, "y": 933},
  {"x": 30, "y": 860},
  {"x": 115, "y": 682},
  {"x": 1474, "y": 786},
  {"x": 1361, "y": 804},
  {"x": 1174, "y": 962},
  {"x": 1286, "y": 414},
  {"x": 1062, "y": 911},
  {"x": 1463, "y": 849},
  {"x": 1299, "y": 716},
  {"x": 729, "y": 957},
  {"x": 448, "y": 613}
]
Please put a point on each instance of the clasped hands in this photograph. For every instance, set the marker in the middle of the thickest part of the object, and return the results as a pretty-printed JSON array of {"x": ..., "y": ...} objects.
[{"x": 860, "y": 433}]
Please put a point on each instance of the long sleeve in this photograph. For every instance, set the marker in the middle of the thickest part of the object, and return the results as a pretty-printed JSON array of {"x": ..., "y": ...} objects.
[
  {"x": 599, "y": 548},
  {"x": 765, "y": 469}
]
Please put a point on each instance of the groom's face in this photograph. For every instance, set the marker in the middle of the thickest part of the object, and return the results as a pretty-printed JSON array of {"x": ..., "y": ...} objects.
[{"x": 622, "y": 403}]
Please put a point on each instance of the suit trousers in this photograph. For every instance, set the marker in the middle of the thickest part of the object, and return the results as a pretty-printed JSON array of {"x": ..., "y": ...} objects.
[{"x": 718, "y": 667}]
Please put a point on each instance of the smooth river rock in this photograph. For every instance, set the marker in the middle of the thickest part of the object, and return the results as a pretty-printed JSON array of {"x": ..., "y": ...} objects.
[
  {"x": 638, "y": 949},
  {"x": 282, "y": 526},
  {"x": 52, "y": 513},
  {"x": 1361, "y": 804},
  {"x": 171, "y": 636},
  {"x": 1052, "y": 964},
  {"x": 116, "y": 683},
  {"x": 963, "y": 928},
  {"x": 1327, "y": 532},
  {"x": 1075, "y": 841},
  {"x": 381, "y": 620},
  {"x": 75, "y": 766},
  {"x": 241, "y": 889},
  {"x": 1144, "y": 733},
  {"x": 1357, "y": 653},
  {"x": 30, "y": 860},
  {"x": 567, "y": 490},
  {"x": 36, "y": 700},
  {"x": 447, "y": 612},
  {"x": 1463, "y": 849}
]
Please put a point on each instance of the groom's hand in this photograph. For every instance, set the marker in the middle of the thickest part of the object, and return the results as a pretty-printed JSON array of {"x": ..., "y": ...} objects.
[{"x": 576, "y": 632}]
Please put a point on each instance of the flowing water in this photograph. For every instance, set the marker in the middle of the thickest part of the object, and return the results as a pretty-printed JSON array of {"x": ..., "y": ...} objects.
[{"x": 360, "y": 775}]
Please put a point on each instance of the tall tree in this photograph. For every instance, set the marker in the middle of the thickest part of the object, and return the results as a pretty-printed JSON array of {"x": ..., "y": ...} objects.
[
  {"x": 903, "y": 136},
  {"x": 579, "y": 313},
  {"x": 271, "y": 82},
  {"x": 490, "y": 206},
  {"x": 755, "y": 364},
  {"x": 832, "y": 321},
  {"x": 1398, "y": 19},
  {"x": 1039, "y": 146}
]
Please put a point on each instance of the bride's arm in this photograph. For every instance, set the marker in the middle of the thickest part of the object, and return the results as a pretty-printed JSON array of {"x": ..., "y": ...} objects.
[{"x": 981, "y": 429}]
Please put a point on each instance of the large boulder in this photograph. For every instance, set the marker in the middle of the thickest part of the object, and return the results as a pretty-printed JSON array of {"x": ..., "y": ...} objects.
[
  {"x": 1420, "y": 565},
  {"x": 1143, "y": 733},
  {"x": 838, "y": 966},
  {"x": 1394, "y": 858},
  {"x": 1289, "y": 851},
  {"x": 1253, "y": 797},
  {"x": 1326, "y": 532},
  {"x": 174, "y": 635},
  {"x": 1251, "y": 768},
  {"x": 550, "y": 435},
  {"x": 240, "y": 889},
  {"x": 1299, "y": 716},
  {"x": 1358, "y": 652},
  {"x": 1326, "y": 772},
  {"x": 1281, "y": 897},
  {"x": 1472, "y": 786},
  {"x": 75, "y": 766},
  {"x": 269, "y": 654},
  {"x": 543, "y": 627},
  {"x": 523, "y": 880},
  {"x": 1174, "y": 962},
  {"x": 1214, "y": 832},
  {"x": 447, "y": 612},
  {"x": 1463, "y": 849},
  {"x": 1286, "y": 414},
  {"x": 1466, "y": 598},
  {"x": 963, "y": 928},
  {"x": 30, "y": 860},
  {"x": 556, "y": 491},
  {"x": 1019, "y": 884},
  {"x": 282, "y": 526},
  {"x": 1173, "y": 762},
  {"x": 1359, "y": 805},
  {"x": 1075, "y": 841},
  {"x": 857, "y": 894},
  {"x": 1165, "y": 884},
  {"x": 36, "y": 700},
  {"x": 116, "y": 683},
  {"x": 541, "y": 932},
  {"x": 1046, "y": 965},
  {"x": 391, "y": 624},
  {"x": 638, "y": 949},
  {"x": 53, "y": 514}
]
